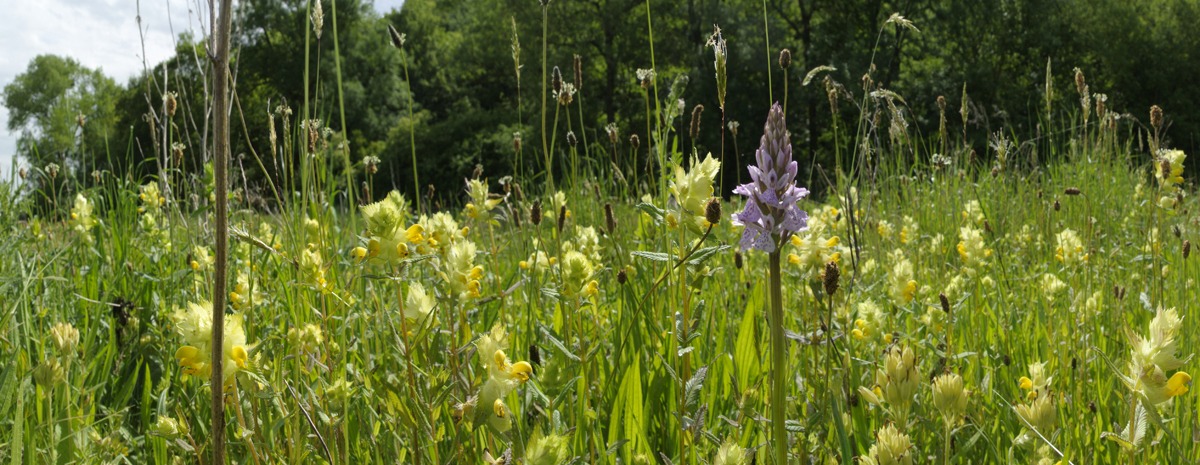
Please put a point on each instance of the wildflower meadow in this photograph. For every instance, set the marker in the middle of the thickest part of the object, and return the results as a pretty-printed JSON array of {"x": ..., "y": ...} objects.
[{"x": 619, "y": 294}]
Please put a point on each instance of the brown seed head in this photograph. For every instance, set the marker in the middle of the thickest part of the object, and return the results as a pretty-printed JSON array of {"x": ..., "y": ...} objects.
[
  {"x": 613, "y": 133},
  {"x": 1072, "y": 191},
  {"x": 941, "y": 103},
  {"x": 1057, "y": 206},
  {"x": 1187, "y": 249},
  {"x": 785, "y": 59},
  {"x": 1156, "y": 116},
  {"x": 832, "y": 275},
  {"x": 945, "y": 303},
  {"x": 562, "y": 218},
  {"x": 737, "y": 260},
  {"x": 712, "y": 211},
  {"x": 535, "y": 213},
  {"x": 696, "y": 112},
  {"x": 1080, "y": 82},
  {"x": 622, "y": 277},
  {"x": 516, "y": 142},
  {"x": 610, "y": 219},
  {"x": 171, "y": 104},
  {"x": 556, "y": 82},
  {"x": 515, "y": 214},
  {"x": 571, "y": 138},
  {"x": 578, "y": 73},
  {"x": 634, "y": 141}
]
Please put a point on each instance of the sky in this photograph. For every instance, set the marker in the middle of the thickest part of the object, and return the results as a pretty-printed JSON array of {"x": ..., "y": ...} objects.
[{"x": 99, "y": 34}]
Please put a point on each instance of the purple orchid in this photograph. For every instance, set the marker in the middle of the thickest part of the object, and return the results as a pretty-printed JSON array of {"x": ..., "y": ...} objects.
[{"x": 771, "y": 213}]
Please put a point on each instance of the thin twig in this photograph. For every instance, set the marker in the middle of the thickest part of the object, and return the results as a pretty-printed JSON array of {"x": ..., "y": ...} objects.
[{"x": 317, "y": 432}]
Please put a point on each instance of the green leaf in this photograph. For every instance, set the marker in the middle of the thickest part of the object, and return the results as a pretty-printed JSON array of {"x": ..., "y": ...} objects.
[
  {"x": 700, "y": 256},
  {"x": 655, "y": 256},
  {"x": 745, "y": 353},
  {"x": 554, "y": 341}
]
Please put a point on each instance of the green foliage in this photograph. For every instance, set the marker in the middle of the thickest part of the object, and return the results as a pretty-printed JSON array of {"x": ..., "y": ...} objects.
[{"x": 65, "y": 112}]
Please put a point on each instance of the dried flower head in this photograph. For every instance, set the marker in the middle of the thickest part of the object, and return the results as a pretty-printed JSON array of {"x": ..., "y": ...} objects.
[
  {"x": 566, "y": 94},
  {"x": 578, "y": 73},
  {"x": 610, "y": 219},
  {"x": 720, "y": 59},
  {"x": 695, "y": 128},
  {"x": 1156, "y": 117},
  {"x": 397, "y": 38},
  {"x": 318, "y": 18},
  {"x": 785, "y": 59},
  {"x": 645, "y": 77},
  {"x": 171, "y": 103}
]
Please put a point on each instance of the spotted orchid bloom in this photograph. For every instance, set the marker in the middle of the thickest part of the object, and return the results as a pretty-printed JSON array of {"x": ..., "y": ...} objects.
[{"x": 771, "y": 212}]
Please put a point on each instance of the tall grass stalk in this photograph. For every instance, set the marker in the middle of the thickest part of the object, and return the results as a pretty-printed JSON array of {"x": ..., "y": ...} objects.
[{"x": 220, "y": 224}]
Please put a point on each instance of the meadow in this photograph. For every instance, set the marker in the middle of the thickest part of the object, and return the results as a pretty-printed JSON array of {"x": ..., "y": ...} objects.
[{"x": 1030, "y": 301}]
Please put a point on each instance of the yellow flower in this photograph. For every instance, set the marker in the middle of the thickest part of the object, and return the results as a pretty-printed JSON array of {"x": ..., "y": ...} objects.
[
  {"x": 1172, "y": 160},
  {"x": 81, "y": 217},
  {"x": 151, "y": 197},
  {"x": 971, "y": 248},
  {"x": 1070, "y": 249},
  {"x": 692, "y": 188},
  {"x": 891, "y": 447},
  {"x": 577, "y": 270},
  {"x": 440, "y": 232},
  {"x": 418, "y": 304},
  {"x": 480, "y": 207},
  {"x": 1155, "y": 355},
  {"x": 460, "y": 272},
  {"x": 950, "y": 397},
  {"x": 194, "y": 326},
  {"x": 903, "y": 284},
  {"x": 388, "y": 240}
]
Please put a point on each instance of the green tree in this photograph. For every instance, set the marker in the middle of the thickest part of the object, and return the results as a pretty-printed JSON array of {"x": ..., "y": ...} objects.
[{"x": 64, "y": 112}]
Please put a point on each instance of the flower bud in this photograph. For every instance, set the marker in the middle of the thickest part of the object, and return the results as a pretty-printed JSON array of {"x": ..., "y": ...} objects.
[
  {"x": 949, "y": 397},
  {"x": 785, "y": 59},
  {"x": 66, "y": 338}
]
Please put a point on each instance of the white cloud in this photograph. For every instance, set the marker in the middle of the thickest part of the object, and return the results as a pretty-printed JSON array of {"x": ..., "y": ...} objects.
[{"x": 98, "y": 33}]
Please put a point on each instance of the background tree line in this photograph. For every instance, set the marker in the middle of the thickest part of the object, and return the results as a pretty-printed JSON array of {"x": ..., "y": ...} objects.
[{"x": 469, "y": 99}]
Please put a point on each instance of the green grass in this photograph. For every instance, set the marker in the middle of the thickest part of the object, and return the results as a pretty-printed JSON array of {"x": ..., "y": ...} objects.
[{"x": 647, "y": 340}]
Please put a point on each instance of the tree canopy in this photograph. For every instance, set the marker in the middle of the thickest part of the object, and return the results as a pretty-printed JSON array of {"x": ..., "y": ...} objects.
[{"x": 469, "y": 80}]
